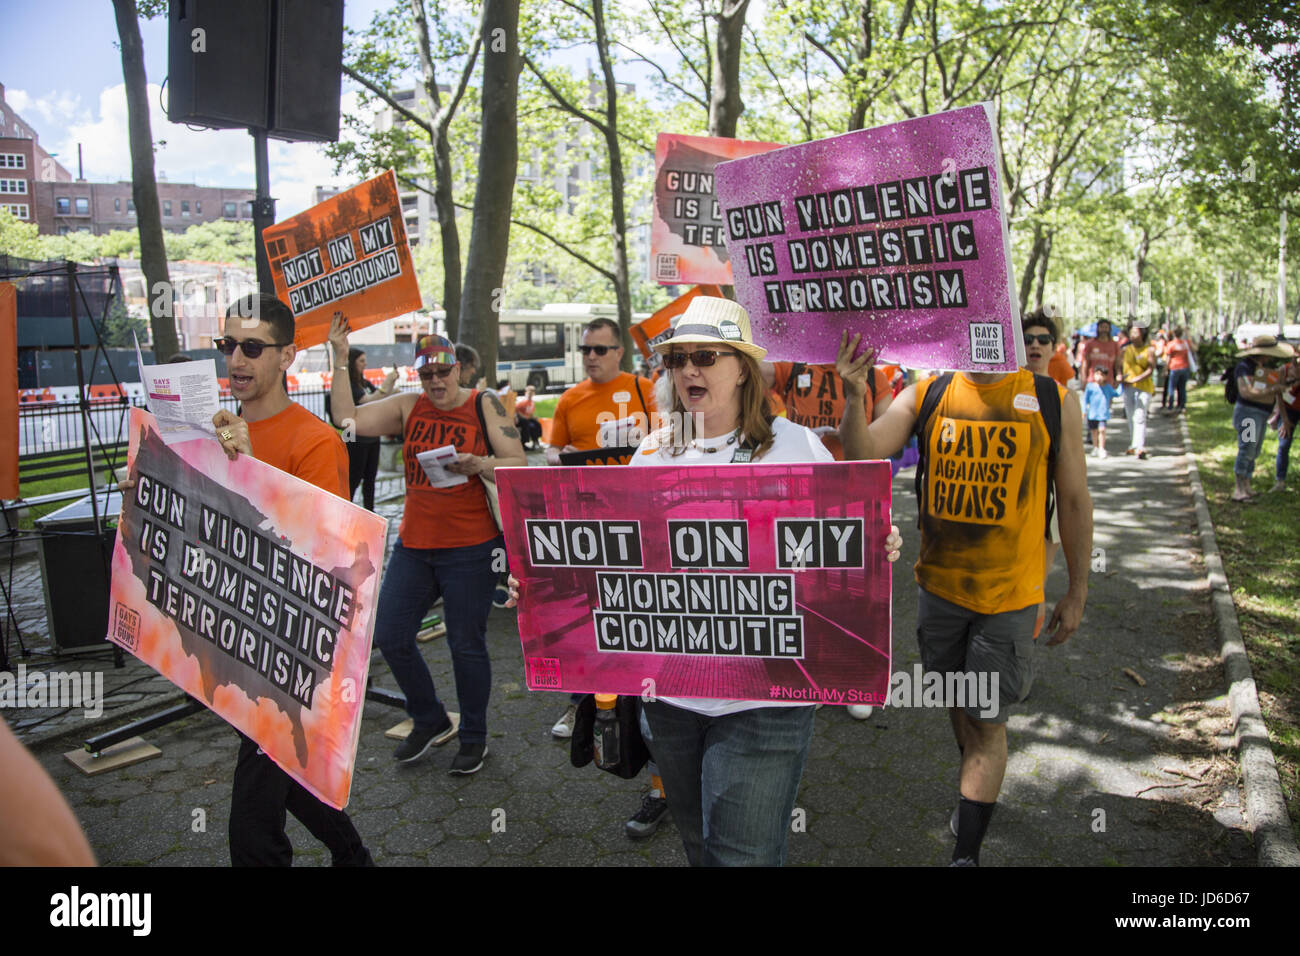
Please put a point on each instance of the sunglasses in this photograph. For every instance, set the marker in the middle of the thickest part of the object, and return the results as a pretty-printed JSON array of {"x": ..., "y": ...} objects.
[
  {"x": 1040, "y": 339},
  {"x": 598, "y": 349},
  {"x": 252, "y": 348},
  {"x": 700, "y": 358},
  {"x": 428, "y": 372}
]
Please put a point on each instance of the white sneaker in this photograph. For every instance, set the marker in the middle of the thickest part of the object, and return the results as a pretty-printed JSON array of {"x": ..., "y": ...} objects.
[
  {"x": 1101, "y": 453},
  {"x": 860, "y": 711},
  {"x": 564, "y": 726}
]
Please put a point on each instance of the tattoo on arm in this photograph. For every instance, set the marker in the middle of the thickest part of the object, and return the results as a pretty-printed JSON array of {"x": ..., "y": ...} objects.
[
  {"x": 496, "y": 404},
  {"x": 510, "y": 431}
]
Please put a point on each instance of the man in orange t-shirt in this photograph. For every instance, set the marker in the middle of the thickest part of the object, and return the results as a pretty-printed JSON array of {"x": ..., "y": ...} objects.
[
  {"x": 586, "y": 413},
  {"x": 282, "y": 433}
]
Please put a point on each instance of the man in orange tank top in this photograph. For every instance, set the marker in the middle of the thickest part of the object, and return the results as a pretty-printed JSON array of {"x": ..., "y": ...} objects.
[
  {"x": 258, "y": 346},
  {"x": 984, "y": 451}
]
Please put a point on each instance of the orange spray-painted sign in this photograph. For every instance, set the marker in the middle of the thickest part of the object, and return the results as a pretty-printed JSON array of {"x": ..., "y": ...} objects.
[{"x": 347, "y": 254}]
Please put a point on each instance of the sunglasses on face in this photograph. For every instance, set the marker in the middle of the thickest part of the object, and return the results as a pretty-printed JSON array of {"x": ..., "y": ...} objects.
[
  {"x": 700, "y": 358},
  {"x": 252, "y": 348},
  {"x": 428, "y": 372},
  {"x": 1040, "y": 339},
  {"x": 598, "y": 349}
]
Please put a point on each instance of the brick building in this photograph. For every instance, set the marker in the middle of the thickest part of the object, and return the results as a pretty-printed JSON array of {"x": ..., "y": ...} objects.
[{"x": 23, "y": 164}]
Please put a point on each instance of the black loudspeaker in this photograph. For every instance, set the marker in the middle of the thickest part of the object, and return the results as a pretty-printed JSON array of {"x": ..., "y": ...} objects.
[
  {"x": 308, "y": 63},
  {"x": 218, "y": 62},
  {"x": 267, "y": 64},
  {"x": 74, "y": 572}
]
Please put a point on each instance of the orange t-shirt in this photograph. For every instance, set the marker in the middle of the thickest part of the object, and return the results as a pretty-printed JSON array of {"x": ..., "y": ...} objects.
[
  {"x": 982, "y": 527},
  {"x": 814, "y": 397},
  {"x": 454, "y": 517},
  {"x": 1178, "y": 353},
  {"x": 297, "y": 442},
  {"x": 576, "y": 413}
]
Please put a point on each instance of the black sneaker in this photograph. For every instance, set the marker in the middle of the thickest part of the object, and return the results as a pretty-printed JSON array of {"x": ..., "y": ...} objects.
[
  {"x": 469, "y": 760},
  {"x": 646, "y": 821},
  {"x": 418, "y": 742}
]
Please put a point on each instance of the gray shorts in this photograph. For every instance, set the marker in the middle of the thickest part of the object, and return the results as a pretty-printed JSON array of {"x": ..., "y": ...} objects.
[{"x": 993, "y": 652}]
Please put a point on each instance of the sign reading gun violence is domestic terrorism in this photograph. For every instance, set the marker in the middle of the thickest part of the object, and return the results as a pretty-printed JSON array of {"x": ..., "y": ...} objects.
[
  {"x": 686, "y": 234},
  {"x": 762, "y": 582},
  {"x": 346, "y": 254},
  {"x": 254, "y": 592},
  {"x": 895, "y": 232}
]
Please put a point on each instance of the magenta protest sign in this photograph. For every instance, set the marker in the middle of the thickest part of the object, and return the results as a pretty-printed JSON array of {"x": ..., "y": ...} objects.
[
  {"x": 896, "y": 232},
  {"x": 761, "y": 582}
]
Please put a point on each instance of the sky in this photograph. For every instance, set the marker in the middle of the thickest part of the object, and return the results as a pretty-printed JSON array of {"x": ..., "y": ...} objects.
[{"x": 62, "y": 72}]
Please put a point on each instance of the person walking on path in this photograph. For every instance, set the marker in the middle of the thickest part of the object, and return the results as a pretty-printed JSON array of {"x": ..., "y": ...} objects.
[
  {"x": 1138, "y": 366},
  {"x": 1259, "y": 385}
]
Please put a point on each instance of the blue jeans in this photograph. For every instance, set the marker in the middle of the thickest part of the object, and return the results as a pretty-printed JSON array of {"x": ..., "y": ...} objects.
[
  {"x": 1248, "y": 451},
  {"x": 1178, "y": 387},
  {"x": 413, "y": 581},
  {"x": 731, "y": 781}
]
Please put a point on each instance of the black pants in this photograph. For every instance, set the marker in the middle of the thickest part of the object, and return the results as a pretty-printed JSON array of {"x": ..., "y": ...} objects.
[
  {"x": 262, "y": 794},
  {"x": 363, "y": 466},
  {"x": 530, "y": 429}
]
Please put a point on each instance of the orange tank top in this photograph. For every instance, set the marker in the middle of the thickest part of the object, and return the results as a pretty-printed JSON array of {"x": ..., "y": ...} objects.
[
  {"x": 982, "y": 525},
  {"x": 454, "y": 517}
]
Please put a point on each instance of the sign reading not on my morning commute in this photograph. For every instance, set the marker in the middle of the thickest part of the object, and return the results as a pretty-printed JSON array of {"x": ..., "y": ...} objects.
[
  {"x": 346, "y": 254},
  {"x": 759, "y": 582},
  {"x": 895, "y": 232},
  {"x": 254, "y": 592}
]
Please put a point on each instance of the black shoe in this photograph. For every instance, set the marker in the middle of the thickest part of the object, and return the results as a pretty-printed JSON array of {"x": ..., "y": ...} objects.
[
  {"x": 646, "y": 821},
  {"x": 469, "y": 760},
  {"x": 418, "y": 742}
]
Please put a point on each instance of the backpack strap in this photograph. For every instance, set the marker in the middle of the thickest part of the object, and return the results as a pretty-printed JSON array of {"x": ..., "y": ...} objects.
[
  {"x": 636, "y": 383},
  {"x": 933, "y": 396},
  {"x": 1049, "y": 406},
  {"x": 482, "y": 419}
]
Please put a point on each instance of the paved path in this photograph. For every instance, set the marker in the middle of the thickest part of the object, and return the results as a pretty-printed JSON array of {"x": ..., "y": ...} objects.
[{"x": 875, "y": 792}]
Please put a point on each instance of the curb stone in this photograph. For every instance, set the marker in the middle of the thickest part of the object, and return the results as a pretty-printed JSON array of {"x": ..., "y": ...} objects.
[{"x": 1265, "y": 806}]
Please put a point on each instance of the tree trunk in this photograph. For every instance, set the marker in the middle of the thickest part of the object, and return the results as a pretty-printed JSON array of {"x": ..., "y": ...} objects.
[
  {"x": 498, "y": 156},
  {"x": 1027, "y": 277},
  {"x": 1042, "y": 272},
  {"x": 144, "y": 185},
  {"x": 725, "y": 105}
]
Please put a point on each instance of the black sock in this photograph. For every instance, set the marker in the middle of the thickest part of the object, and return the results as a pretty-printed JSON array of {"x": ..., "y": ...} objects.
[{"x": 972, "y": 820}]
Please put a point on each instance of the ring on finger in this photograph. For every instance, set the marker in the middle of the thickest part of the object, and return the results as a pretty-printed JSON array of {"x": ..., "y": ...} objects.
[{"x": 226, "y": 434}]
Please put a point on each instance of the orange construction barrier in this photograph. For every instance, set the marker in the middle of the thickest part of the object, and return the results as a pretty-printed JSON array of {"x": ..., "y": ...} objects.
[{"x": 546, "y": 429}]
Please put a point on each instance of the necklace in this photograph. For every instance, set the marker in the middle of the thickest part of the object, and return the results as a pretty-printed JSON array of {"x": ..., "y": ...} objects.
[{"x": 712, "y": 449}]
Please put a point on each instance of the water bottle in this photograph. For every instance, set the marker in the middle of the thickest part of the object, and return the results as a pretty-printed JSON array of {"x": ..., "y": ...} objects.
[{"x": 605, "y": 737}]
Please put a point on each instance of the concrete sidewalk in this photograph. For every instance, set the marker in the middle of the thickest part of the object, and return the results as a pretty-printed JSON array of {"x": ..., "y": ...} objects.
[{"x": 1103, "y": 771}]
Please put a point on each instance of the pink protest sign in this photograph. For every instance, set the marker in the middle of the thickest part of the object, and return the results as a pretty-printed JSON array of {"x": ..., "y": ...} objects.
[
  {"x": 896, "y": 232},
  {"x": 686, "y": 235},
  {"x": 760, "y": 582}
]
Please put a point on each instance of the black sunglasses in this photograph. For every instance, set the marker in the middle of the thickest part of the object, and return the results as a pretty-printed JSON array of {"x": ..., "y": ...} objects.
[
  {"x": 428, "y": 372},
  {"x": 598, "y": 349},
  {"x": 700, "y": 358},
  {"x": 252, "y": 348},
  {"x": 1040, "y": 339}
]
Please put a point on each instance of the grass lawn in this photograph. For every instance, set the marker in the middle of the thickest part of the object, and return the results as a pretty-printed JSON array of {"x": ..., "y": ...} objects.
[
  {"x": 545, "y": 407},
  {"x": 34, "y": 489},
  {"x": 1258, "y": 543}
]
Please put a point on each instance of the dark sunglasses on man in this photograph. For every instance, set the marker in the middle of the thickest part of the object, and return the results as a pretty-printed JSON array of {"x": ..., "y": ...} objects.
[
  {"x": 427, "y": 372},
  {"x": 251, "y": 347},
  {"x": 598, "y": 349},
  {"x": 700, "y": 358},
  {"x": 1043, "y": 339}
]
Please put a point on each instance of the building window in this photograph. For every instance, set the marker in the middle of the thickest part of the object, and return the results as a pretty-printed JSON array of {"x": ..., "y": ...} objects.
[
  {"x": 13, "y": 161},
  {"x": 63, "y": 230},
  {"x": 117, "y": 204},
  {"x": 63, "y": 206},
  {"x": 167, "y": 208},
  {"x": 198, "y": 207},
  {"x": 83, "y": 206},
  {"x": 18, "y": 210},
  {"x": 228, "y": 210},
  {"x": 130, "y": 206},
  {"x": 185, "y": 209},
  {"x": 248, "y": 210},
  {"x": 18, "y": 186}
]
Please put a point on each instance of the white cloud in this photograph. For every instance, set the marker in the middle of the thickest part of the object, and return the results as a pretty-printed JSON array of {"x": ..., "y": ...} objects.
[{"x": 187, "y": 155}]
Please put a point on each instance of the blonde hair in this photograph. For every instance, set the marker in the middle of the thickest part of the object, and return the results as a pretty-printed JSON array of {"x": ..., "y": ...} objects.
[{"x": 755, "y": 416}]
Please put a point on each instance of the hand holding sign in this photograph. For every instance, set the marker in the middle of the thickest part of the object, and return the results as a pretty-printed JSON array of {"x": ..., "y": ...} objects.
[{"x": 232, "y": 432}]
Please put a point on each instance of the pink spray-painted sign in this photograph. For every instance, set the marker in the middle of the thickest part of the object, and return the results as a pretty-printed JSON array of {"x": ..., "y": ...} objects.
[
  {"x": 761, "y": 582},
  {"x": 895, "y": 232}
]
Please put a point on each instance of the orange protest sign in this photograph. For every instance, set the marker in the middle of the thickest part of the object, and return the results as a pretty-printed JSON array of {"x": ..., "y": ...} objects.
[
  {"x": 8, "y": 390},
  {"x": 649, "y": 333},
  {"x": 347, "y": 254}
]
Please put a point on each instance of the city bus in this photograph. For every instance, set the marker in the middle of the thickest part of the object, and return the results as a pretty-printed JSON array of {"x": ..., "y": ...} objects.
[{"x": 539, "y": 347}]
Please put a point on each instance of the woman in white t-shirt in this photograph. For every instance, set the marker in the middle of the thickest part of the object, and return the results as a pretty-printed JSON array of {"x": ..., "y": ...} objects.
[{"x": 731, "y": 769}]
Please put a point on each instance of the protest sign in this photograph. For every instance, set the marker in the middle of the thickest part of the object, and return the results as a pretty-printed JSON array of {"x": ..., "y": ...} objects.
[
  {"x": 254, "y": 592},
  {"x": 650, "y": 332},
  {"x": 686, "y": 241},
  {"x": 759, "y": 582},
  {"x": 895, "y": 232},
  {"x": 347, "y": 254}
]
